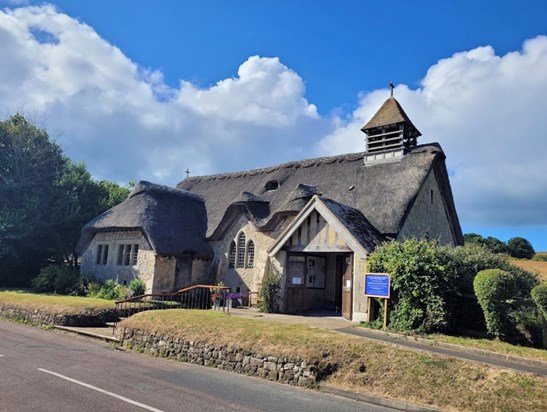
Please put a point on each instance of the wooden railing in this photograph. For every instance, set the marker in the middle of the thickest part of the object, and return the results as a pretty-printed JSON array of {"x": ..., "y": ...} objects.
[{"x": 193, "y": 297}]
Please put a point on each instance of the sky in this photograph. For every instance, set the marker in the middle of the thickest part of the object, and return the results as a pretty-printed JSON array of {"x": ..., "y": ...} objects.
[{"x": 146, "y": 90}]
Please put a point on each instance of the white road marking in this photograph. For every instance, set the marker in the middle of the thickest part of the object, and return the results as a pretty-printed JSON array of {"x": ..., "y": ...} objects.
[
  {"x": 114, "y": 395},
  {"x": 1, "y": 356}
]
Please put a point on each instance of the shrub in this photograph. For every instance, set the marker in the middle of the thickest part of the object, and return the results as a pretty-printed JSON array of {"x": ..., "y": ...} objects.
[
  {"x": 467, "y": 261},
  {"x": 44, "y": 282},
  {"x": 269, "y": 292},
  {"x": 66, "y": 281},
  {"x": 137, "y": 287},
  {"x": 494, "y": 288},
  {"x": 422, "y": 278},
  {"x": 539, "y": 296},
  {"x": 61, "y": 279},
  {"x": 108, "y": 290},
  {"x": 525, "y": 322}
]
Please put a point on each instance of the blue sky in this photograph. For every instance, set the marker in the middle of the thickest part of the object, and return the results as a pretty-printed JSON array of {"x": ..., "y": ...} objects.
[{"x": 143, "y": 90}]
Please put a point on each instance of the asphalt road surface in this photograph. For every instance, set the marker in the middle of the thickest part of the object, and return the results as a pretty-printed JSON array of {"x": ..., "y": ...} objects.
[{"x": 52, "y": 371}]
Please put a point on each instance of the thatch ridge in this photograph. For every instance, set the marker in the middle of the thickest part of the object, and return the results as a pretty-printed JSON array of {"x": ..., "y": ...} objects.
[{"x": 382, "y": 192}]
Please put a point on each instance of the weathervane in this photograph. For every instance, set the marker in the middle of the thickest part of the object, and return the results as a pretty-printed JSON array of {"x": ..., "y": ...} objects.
[
  {"x": 187, "y": 173},
  {"x": 391, "y": 86}
]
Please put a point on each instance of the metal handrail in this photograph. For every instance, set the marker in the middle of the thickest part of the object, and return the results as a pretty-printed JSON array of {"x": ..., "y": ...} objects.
[{"x": 214, "y": 297}]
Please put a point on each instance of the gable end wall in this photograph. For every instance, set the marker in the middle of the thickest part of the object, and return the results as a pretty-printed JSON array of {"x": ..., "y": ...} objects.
[{"x": 428, "y": 219}]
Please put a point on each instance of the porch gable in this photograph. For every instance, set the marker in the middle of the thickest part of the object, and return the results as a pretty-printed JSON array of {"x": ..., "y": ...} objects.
[{"x": 317, "y": 229}]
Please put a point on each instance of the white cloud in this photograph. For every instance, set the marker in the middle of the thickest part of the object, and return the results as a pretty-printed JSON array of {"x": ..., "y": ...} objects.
[
  {"x": 127, "y": 124},
  {"x": 123, "y": 120},
  {"x": 487, "y": 112}
]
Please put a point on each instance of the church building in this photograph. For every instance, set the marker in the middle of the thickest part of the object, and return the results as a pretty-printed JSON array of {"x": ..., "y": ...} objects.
[{"x": 311, "y": 221}]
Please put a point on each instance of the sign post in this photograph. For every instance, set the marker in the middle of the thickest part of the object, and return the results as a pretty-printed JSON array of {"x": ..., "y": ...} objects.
[{"x": 377, "y": 285}]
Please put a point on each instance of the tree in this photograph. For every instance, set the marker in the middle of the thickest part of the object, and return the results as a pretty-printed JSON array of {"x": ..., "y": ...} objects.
[
  {"x": 45, "y": 199},
  {"x": 29, "y": 166},
  {"x": 521, "y": 248},
  {"x": 491, "y": 243}
]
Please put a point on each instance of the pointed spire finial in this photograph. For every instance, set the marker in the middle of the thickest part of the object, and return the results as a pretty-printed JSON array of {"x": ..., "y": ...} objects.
[
  {"x": 391, "y": 86},
  {"x": 187, "y": 173}
]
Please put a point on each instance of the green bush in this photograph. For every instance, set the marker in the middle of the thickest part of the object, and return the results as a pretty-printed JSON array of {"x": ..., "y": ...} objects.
[
  {"x": 539, "y": 296},
  {"x": 44, "y": 282},
  {"x": 467, "y": 261},
  {"x": 494, "y": 288},
  {"x": 108, "y": 290},
  {"x": 137, "y": 287},
  {"x": 269, "y": 292},
  {"x": 422, "y": 279},
  {"x": 526, "y": 324},
  {"x": 61, "y": 279}
]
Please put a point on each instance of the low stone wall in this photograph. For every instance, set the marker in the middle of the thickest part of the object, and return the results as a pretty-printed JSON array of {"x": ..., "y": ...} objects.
[
  {"x": 280, "y": 369},
  {"x": 41, "y": 317}
]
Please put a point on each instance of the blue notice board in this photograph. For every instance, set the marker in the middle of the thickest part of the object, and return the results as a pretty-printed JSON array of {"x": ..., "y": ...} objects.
[{"x": 377, "y": 285}]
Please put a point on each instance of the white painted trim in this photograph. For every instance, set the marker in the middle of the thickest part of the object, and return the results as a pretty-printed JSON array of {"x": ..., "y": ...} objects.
[{"x": 114, "y": 395}]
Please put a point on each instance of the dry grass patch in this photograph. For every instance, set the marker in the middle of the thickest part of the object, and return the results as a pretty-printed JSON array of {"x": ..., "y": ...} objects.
[
  {"x": 54, "y": 304},
  {"x": 493, "y": 346},
  {"x": 360, "y": 365},
  {"x": 534, "y": 266}
]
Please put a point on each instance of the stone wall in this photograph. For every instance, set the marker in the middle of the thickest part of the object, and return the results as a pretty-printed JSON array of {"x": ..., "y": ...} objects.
[
  {"x": 164, "y": 274},
  {"x": 428, "y": 217},
  {"x": 281, "y": 369},
  {"x": 247, "y": 279},
  {"x": 123, "y": 274},
  {"x": 201, "y": 272},
  {"x": 41, "y": 317}
]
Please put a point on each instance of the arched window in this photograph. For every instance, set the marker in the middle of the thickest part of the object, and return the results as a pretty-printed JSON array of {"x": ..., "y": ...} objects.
[
  {"x": 232, "y": 255},
  {"x": 241, "y": 250},
  {"x": 250, "y": 254}
]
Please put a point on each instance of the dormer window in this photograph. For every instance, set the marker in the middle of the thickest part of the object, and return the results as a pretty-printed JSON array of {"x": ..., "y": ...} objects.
[{"x": 271, "y": 185}]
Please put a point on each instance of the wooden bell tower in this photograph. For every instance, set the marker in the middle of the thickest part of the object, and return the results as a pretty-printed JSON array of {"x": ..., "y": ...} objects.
[{"x": 390, "y": 133}]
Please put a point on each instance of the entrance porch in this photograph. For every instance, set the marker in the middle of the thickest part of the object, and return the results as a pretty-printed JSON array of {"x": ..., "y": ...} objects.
[{"x": 319, "y": 281}]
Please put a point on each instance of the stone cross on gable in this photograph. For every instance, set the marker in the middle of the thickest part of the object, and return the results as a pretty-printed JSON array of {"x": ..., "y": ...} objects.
[{"x": 391, "y": 86}]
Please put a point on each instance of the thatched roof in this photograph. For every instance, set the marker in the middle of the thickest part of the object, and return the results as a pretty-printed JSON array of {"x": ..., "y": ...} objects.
[
  {"x": 173, "y": 221},
  {"x": 389, "y": 113},
  {"x": 357, "y": 224},
  {"x": 382, "y": 192}
]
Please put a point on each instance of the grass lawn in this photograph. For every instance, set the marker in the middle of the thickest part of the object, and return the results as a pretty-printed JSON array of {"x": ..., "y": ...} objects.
[
  {"x": 54, "y": 304},
  {"x": 361, "y": 365}
]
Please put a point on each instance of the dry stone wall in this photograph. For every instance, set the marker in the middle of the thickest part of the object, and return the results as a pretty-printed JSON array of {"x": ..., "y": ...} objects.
[
  {"x": 41, "y": 317},
  {"x": 275, "y": 368}
]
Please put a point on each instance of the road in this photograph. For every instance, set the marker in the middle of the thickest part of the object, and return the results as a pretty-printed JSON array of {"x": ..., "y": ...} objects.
[{"x": 52, "y": 371}]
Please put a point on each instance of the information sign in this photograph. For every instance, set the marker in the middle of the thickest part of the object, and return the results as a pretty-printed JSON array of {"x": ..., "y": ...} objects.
[{"x": 377, "y": 285}]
